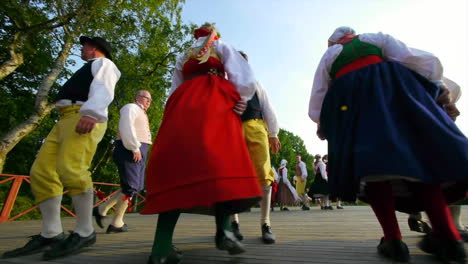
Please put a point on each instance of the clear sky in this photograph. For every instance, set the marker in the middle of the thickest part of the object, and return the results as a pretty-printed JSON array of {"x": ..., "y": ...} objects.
[{"x": 285, "y": 40}]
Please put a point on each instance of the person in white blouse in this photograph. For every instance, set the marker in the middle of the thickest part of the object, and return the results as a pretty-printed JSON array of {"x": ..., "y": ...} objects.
[
  {"x": 202, "y": 130},
  {"x": 131, "y": 147},
  {"x": 286, "y": 195},
  {"x": 66, "y": 154},
  {"x": 260, "y": 128},
  {"x": 374, "y": 100},
  {"x": 319, "y": 188}
]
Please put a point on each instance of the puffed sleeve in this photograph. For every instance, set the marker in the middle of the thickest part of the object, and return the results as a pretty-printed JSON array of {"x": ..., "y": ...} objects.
[
  {"x": 101, "y": 91},
  {"x": 323, "y": 171},
  {"x": 322, "y": 81},
  {"x": 268, "y": 112},
  {"x": 238, "y": 70},
  {"x": 177, "y": 77},
  {"x": 422, "y": 62}
]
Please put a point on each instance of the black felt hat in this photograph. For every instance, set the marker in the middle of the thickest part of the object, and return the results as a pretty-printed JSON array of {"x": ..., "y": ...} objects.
[{"x": 100, "y": 43}]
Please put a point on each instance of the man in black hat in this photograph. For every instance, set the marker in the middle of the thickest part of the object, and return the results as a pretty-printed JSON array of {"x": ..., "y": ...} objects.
[{"x": 67, "y": 152}]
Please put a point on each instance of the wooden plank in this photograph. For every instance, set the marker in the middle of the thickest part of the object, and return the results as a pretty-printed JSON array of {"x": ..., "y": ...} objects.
[{"x": 340, "y": 236}]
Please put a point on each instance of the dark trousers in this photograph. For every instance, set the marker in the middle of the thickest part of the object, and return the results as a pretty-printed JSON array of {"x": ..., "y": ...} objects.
[{"x": 132, "y": 174}]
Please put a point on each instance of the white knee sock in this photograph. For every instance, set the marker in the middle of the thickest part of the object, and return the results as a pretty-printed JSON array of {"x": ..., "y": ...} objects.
[
  {"x": 107, "y": 205},
  {"x": 120, "y": 209},
  {"x": 51, "y": 222},
  {"x": 235, "y": 218},
  {"x": 265, "y": 206},
  {"x": 456, "y": 216},
  {"x": 83, "y": 204},
  {"x": 326, "y": 200},
  {"x": 338, "y": 203}
]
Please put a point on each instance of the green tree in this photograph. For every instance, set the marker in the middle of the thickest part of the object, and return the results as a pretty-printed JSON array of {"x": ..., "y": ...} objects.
[
  {"x": 146, "y": 36},
  {"x": 291, "y": 146}
]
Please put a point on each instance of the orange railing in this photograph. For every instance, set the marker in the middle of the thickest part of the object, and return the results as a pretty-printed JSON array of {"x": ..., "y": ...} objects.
[{"x": 15, "y": 187}]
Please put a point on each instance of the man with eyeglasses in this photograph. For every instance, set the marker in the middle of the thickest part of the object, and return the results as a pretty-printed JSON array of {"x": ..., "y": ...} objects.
[{"x": 131, "y": 147}]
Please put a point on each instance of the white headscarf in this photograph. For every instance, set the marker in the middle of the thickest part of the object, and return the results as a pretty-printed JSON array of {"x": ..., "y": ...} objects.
[
  {"x": 283, "y": 163},
  {"x": 340, "y": 32}
]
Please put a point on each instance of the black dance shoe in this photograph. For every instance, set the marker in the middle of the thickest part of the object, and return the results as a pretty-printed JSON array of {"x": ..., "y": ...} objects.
[
  {"x": 98, "y": 217},
  {"x": 73, "y": 244},
  {"x": 35, "y": 245},
  {"x": 394, "y": 249},
  {"x": 235, "y": 229},
  {"x": 418, "y": 226},
  {"x": 226, "y": 240},
  {"x": 446, "y": 250},
  {"x": 113, "y": 229}
]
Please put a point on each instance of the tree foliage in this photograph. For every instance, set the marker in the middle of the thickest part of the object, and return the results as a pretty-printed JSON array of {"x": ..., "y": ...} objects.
[
  {"x": 291, "y": 146},
  {"x": 146, "y": 36}
]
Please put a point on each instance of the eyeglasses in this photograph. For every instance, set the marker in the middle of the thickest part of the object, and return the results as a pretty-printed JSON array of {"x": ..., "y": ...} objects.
[{"x": 147, "y": 98}]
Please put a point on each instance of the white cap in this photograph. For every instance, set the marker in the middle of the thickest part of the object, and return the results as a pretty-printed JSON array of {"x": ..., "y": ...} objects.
[{"x": 340, "y": 32}]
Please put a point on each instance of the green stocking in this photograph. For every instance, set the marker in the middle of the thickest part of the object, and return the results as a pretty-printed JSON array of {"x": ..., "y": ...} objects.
[{"x": 162, "y": 244}]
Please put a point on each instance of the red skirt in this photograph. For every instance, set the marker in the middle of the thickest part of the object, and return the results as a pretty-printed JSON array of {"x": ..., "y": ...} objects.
[{"x": 199, "y": 157}]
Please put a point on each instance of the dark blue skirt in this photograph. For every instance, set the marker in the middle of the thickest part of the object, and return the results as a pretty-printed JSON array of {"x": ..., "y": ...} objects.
[{"x": 383, "y": 120}]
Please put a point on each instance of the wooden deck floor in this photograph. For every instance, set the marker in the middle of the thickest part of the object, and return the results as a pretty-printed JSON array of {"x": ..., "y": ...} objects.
[{"x": 339, "y": 236}]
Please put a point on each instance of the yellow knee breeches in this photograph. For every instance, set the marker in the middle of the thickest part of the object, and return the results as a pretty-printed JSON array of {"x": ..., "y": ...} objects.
[
  {"x": 64, "y": 158},
  {"x": 256, "y": 137}
]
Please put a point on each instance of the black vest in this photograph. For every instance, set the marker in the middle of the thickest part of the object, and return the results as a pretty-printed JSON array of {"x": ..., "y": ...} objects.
[
  {"x": 254, "y": 110},
  {"x": 77, "y": 87}
]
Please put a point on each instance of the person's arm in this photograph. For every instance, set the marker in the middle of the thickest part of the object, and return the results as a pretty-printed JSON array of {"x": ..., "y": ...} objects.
[
  {"x": 322, "y": 81},
  {"x": 304, "y": 170},
  {"x": 323, "y": 171},
  {"x": 422, "y": 62},
  {"x": 101, "y": 91},
  {"x": 177, "y": 76},
  {"x": 127, "y": 130},
  {"x": 238, "y": 70}
]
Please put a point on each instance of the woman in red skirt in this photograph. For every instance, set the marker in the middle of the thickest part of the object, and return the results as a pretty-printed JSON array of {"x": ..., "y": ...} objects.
[{"x": 199, "y": 162}]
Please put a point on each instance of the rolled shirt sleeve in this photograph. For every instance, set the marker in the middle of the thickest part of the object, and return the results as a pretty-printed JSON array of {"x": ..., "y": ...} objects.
[
  {"x": 268, "y": 112},
  {"x": 303, "y": 167},
  {"x": 127, "y": 131},
  {"x": 101, "y": 91}
]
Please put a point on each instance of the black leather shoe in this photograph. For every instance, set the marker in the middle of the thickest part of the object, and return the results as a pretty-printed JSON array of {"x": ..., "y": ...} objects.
[
  {"x": 418, "y": 226},
  {"x": 98, "y": 217},
  {"x": 173, "y": 258},
  {"x": 235, "y": 229},
  {"x": 394, "y": 249},
  {"x": 305, "y": 207},
  {"x": 447, "y": 250},
  {"x": 226, "y": 240},
  {"x": 267, "y": 235},
  {"x": 113, "y": 229},
  {"x": 69, "y": 246},
  {"x": 339, "y": 207},
  {"x": 35, "y": 245},
  {"x": 284, "y": 209}
]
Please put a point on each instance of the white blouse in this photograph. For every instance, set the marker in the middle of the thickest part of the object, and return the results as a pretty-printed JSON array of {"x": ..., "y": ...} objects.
[
  {"x": 238, "y": 70},
  {"x": 268, "y": 113},
  {"x": 323, "y": 170},
  {"x": 419, "y": 61}
]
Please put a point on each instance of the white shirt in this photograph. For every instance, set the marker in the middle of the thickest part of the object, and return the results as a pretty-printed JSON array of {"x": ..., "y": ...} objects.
[
  {"x": 323, "y": 169},
  {"x": 101, "y": 90},
  {"x": 303, "y": 167},
  {"x": 419, "y": 61},
  {"x": 127, "y": 129},
  {"x": 239, "y": 72},
  {"x": 268, "y": 113}
]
